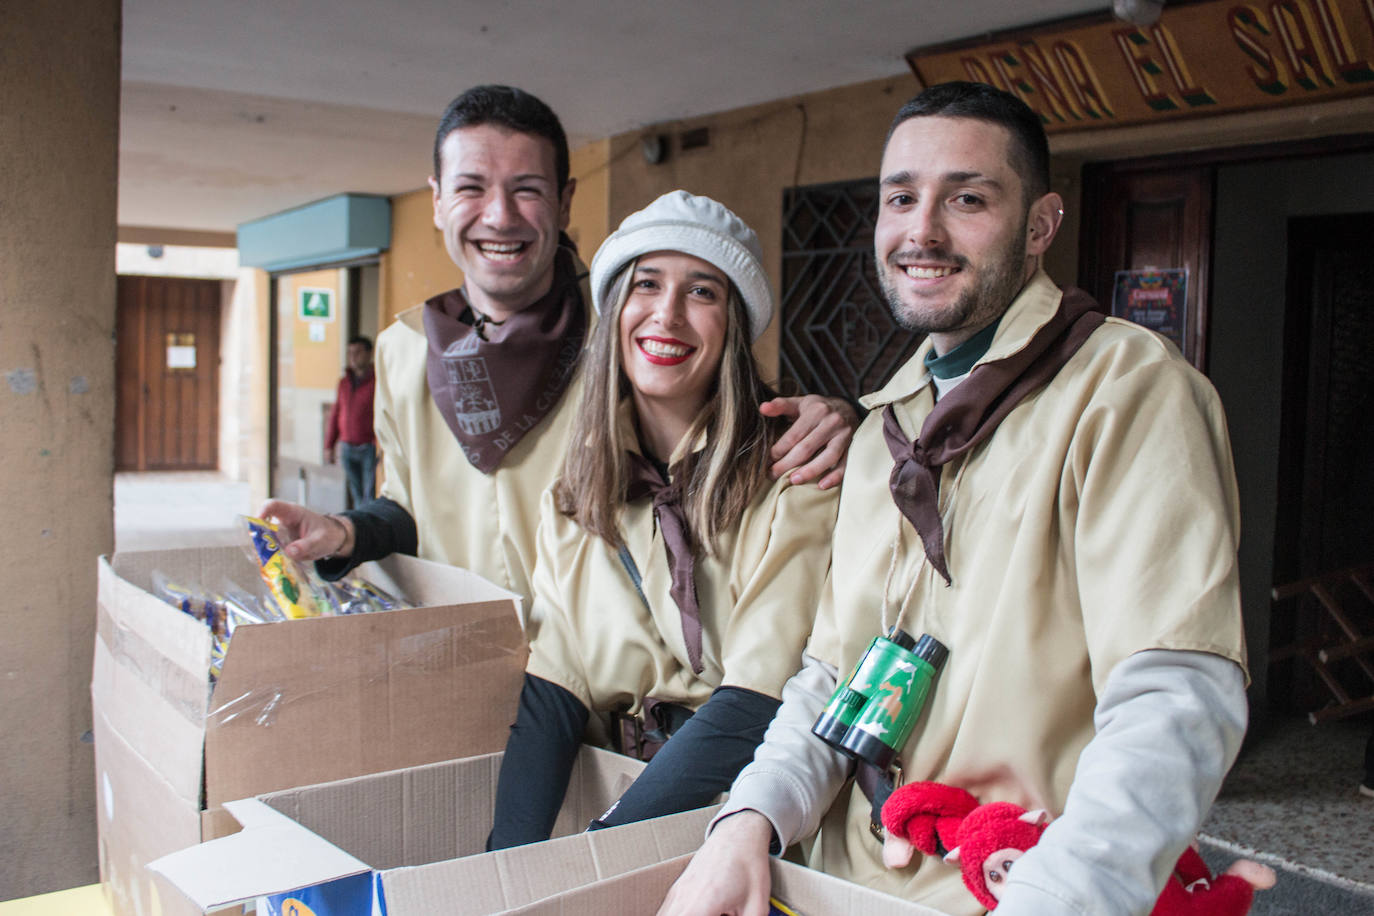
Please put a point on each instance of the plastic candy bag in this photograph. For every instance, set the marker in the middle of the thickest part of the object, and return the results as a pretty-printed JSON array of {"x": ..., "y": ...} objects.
[{"x": 287, "y": 582}]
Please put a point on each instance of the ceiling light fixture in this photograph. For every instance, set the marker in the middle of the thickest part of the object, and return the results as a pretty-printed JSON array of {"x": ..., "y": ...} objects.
[
  {"x": 1138, "y": 12},
  {"x": 654, "y": 147}
]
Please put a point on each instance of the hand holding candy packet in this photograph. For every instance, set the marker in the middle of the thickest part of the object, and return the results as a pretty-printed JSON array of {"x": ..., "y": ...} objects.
[
  {"x": 287, "y": 581},
  {"x": 288, "y": 591}
]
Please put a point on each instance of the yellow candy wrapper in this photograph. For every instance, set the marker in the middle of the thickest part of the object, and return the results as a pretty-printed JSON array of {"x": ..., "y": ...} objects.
[{"x": 287, "y": 583}]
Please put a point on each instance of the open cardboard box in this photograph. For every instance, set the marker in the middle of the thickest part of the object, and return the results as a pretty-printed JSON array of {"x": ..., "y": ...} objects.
[
  {"x": 804, "y": 891},
  {"x": 298, "y": 702},
  {"x": 409, "y": 843}
]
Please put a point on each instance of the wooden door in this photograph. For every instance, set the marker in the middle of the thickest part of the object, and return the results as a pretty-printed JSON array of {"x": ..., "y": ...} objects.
[
  {"x": 1325, "y": 512},
  {"x": 1150, "y": 215},
  {"x": 167, "y": 374},
  {"x": 1327, "y": 443}
]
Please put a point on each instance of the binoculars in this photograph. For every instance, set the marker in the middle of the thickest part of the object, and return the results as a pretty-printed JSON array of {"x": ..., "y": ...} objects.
[{"x": 872, "y": 712}]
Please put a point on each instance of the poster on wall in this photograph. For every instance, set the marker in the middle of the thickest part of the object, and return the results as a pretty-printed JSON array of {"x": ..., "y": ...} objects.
[
  {"x": 1155, "y": 299},
  {"x": 315, "y": 304}
]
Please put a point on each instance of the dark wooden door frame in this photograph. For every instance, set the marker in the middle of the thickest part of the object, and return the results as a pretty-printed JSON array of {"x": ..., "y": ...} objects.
[
  {"x": 1096, "y": 174},
  {"x": 273, "y": 378},
  {"x": 1307, "y": 318},
  {"x": 1120, "y": 194},
  {"x": 1300, "y": 536}
]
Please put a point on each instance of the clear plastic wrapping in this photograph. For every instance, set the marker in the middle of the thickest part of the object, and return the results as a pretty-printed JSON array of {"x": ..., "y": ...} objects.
[{"x": 286, "y": 590}]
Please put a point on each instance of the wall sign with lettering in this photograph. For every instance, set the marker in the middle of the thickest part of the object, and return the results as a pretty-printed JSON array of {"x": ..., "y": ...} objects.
[{"x": 1199, "y": 58}]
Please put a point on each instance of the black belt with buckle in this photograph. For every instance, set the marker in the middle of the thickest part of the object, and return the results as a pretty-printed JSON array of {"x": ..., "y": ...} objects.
[{"x": 641, "y": 736}]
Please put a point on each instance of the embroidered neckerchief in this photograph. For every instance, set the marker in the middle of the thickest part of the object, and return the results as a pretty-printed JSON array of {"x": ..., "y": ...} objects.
[
  {"x": 494, "y": 382},
  {"x": 646, "y": 480}
]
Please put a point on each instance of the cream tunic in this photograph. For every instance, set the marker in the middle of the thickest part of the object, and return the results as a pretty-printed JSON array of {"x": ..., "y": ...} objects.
[
  {"x": 591, "y": 634},
  {"x": 1099, "y": 520},
  {"x": 482, "y": 522}
]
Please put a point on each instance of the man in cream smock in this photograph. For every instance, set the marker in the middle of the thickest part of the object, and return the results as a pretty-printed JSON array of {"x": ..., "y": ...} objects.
[
  {"x": 476, "y": 387},
  {"x": 1066, "y": 525},
  {"x": 473, "y": 385}
]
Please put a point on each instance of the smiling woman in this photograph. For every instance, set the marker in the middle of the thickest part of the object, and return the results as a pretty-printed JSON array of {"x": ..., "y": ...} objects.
[
  {"x": 675, "y": 583},
  {"x": 673, "y": 317}
]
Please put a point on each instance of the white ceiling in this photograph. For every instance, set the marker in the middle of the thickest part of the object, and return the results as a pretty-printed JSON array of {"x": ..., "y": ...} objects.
[{"x": 232, "y": 111}]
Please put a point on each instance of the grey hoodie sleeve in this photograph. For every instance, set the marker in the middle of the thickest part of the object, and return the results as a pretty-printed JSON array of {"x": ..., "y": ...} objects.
[
  {"x": 1169, "y": 725},
  {"x": 794, "y": 776}
]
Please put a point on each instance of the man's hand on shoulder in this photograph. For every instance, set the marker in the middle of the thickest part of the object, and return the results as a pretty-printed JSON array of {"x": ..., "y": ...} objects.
[
  {"x": 729, "y": 874},
  {"x": 310, "y": 535},
  {"x": 816, "y": 445}
]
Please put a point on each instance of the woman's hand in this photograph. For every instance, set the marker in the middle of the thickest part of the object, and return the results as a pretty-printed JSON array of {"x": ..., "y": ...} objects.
[{"x": 817, "y": 442}]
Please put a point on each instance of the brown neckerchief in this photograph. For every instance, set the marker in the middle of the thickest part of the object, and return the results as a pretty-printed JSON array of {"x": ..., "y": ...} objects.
[
  {"x": 645, "y": 480},
  {"x": 493, "y": 389},
  {"x": 968, "y": 415}
]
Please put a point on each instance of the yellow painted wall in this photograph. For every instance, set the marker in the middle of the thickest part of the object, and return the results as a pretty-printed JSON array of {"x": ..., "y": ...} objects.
[
  {"x": 589, "y": 225},
  {"x": 315, "y": 363},
  {"x": 417, "y": 266},
  {"x": 58, "y": 154}
]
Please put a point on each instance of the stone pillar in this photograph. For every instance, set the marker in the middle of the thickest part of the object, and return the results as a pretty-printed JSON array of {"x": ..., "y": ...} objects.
[{"x": 59, "y": 130}]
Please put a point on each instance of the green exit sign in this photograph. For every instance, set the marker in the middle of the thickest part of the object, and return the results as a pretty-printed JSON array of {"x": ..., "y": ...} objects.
[{"x": 315, "y": 304}]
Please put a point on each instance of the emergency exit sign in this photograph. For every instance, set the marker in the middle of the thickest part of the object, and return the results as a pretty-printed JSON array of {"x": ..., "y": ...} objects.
[{"x": 315, "y": 304}]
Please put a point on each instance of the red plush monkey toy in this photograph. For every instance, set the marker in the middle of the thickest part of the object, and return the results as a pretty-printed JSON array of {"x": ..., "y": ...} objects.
[{"x": 985, "y": 840}]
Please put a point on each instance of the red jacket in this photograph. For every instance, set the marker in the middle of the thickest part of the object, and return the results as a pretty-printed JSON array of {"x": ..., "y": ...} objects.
[{"x": 350, "y": 419}]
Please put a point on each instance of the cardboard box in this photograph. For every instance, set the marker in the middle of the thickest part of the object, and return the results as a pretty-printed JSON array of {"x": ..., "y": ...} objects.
[
  {"x": 415, "y": 837},
  {"x": 298, "y": 702},
  {"x": 806, "y": 892}
]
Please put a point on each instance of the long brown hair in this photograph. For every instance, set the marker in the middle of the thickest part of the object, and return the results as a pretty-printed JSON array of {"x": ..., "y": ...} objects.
[{"x": 714, "y": 484}]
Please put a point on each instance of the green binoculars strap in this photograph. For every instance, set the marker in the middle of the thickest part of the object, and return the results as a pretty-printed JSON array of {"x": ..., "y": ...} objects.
[{"x": 876, "y": 786}]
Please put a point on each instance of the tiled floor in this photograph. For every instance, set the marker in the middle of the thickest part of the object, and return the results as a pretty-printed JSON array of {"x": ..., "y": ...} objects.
[
  {"x": 1293, "y": 794},
  {"x": 157, "y": 510}
]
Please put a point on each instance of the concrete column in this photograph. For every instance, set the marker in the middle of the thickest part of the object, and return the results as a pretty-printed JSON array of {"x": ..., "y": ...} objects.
[{"x": 59, "y": 128}]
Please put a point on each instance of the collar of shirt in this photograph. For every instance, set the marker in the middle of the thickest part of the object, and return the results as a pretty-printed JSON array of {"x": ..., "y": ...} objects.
[
  {"x": 627, "y": 425},
  {"x": 960, "y": 360}
]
